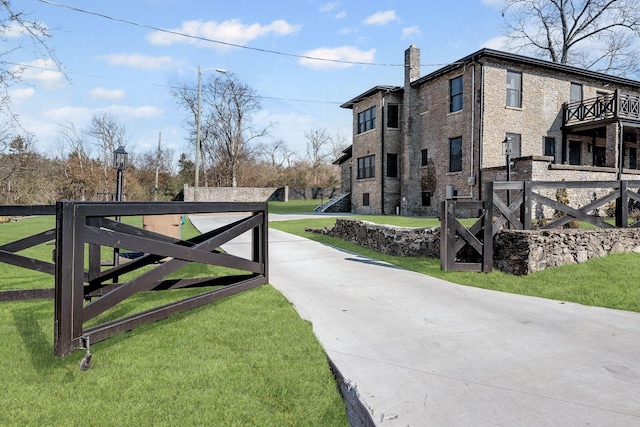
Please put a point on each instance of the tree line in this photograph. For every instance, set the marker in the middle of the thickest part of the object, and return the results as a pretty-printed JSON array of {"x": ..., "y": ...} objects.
[{"x": 80, "y": 166}]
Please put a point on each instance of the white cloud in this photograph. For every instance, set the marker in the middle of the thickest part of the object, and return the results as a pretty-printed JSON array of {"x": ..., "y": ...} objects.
[
  {"x": 328, "y": 7},
  {"x": 496, "y": 3},
  {"x": 498, "y": 43},
  {"x": 84, "y": 114},
  {"x": 347, "y": 30},
  {"x": 19, "y": 94},
  {"x": 40, "y": 71},
  {"x": 411, "y": 32},
  {"x": 68, "y": 114},
  {"x": 340, "y": 15},
  {"x": 103, "y": 93},
  {"x": 134, "y": 60},
  {"x": 232, "y": 31},
  {"x": 382, "y": 18},
  {"x": 15, "y": 30},
  {"x": 344, "y": 53},
  {"x": 144, "y": 112}
]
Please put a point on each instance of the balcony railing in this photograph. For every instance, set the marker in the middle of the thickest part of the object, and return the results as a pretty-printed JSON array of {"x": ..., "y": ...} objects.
[{"x": 612, "y": 106}]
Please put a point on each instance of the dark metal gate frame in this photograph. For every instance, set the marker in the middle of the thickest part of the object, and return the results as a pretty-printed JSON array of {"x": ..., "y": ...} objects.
[
  {"x": 87, "y": 224},
  {"x": 495, "y": 213},
  {"x": 9, "y": 252}
]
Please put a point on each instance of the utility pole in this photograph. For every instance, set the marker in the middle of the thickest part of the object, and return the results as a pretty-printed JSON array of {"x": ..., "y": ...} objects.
[{"x": 155, "y": 191}]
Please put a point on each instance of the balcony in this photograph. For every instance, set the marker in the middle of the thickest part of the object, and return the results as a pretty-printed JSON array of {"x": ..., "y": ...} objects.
[{"x": 602, "y": 110}]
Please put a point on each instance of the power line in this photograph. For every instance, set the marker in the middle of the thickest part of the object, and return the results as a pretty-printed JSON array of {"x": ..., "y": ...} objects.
[
  {"x": 39, "y": 67},
  {"x": 205, "y": 39}
]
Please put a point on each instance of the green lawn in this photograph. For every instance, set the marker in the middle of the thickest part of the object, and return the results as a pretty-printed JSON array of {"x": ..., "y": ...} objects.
[
  {"x": 244, "y": 360},
  {"x": 294, "y": 206},
  {"x": 612, "y": 281}
]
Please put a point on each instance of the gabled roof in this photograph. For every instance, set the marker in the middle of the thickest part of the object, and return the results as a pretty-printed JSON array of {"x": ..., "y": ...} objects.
[
  {"x": 525, "y": 60},
  {"x": 346, "y": 155},
  {"x": 372, "y": 91}
]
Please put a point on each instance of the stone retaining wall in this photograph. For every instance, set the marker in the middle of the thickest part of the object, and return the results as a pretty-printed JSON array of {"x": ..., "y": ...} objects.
[
  {"x": 523, "y": 252},
  {"x": 387, "y": 239},
  {"x": 515, "y": 252}
]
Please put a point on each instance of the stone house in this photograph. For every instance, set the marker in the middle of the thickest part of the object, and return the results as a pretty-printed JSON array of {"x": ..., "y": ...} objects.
[{"x": 491, "y": 116}]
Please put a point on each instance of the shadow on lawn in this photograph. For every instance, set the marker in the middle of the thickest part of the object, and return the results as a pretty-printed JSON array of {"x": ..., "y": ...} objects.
[{"x": 38, "y": 343}]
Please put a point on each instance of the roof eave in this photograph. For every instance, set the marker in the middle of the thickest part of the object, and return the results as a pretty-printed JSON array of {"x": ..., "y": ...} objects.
[{"x": 370, "y": 92}]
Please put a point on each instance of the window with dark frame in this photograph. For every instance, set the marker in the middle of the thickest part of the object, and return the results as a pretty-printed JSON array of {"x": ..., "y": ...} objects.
[
  {"x": 424, "y": 161},
  {"x": 575, "y": 94},
  {"x": 514, "y": 89},
  {"x": 633, "y": 158},
  {"x": 365, "y": 199},
  {"x": 575, "y": 151},
  {"x": 599, "y": 156},
  {"x": 393, "y": 116},
  {"x": 455, "y": 94},
  {"x": 392, "y": 165},
  {"x": 550, "y": 147},
  {"x": 367, "y": 120},
  {"x": 426, "y": 198},
  {"x": 366, "y": 167},
  {"x": 455, "y": 154}
]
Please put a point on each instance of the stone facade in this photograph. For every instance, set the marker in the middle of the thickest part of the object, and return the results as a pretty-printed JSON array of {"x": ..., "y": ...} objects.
[
  {"x": 515, "y": 252},
  {"x": 482, "y": 124},
  {"x": 380, "y": 193}
]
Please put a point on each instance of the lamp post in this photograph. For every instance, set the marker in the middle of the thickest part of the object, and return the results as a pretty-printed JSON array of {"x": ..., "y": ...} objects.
[
  {"x": 120, "y": 164},
  {"x": 199, "y": 126}
]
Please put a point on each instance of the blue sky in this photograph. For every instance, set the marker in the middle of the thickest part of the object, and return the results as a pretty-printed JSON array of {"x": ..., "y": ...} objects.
[{"x": 127, "y": 70}]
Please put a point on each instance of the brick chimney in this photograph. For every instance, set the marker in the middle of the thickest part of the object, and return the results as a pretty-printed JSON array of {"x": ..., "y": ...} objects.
[{"x": 411, "y": 65}]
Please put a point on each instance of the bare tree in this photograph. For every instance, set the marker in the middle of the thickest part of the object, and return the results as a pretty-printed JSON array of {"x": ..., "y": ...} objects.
[
  {"x": 338, "y": 144},
  {"x": 30, "y": 31},
  {"x": 226, "y": 130},
  {"x": 274, "y": 152},
  {"x": 318, "y": 142},
  {"x": 600, "y": 35},
  {"x": 229, "y": 105},
  {"x": 109, "y": 134}
]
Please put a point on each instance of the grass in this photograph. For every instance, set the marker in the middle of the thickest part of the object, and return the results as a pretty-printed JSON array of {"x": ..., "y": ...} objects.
[
  {"x": 612, "y": 281},
  {"x": 294, "y": 206},
  {"x": 244, "y": 360}
]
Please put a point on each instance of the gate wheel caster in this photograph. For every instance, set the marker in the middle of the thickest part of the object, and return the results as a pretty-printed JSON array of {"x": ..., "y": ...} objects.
[{"x": 85, "y": 363}]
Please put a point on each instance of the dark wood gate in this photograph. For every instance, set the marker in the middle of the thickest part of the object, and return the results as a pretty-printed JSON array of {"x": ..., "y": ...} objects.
[
  {"x": 511, "y": 205},
  {"x": 84, "y": 291}
]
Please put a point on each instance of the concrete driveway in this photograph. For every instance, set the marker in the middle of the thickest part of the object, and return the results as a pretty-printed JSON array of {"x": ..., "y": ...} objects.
[{"x": 420, "y": 351}]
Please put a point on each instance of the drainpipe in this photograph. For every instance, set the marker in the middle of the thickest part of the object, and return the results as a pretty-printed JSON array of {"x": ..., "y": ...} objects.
[
  {"x": 473, "y": 121},
  {"x": 480, "y": 131},
  {"x": 382, "y": 157}
]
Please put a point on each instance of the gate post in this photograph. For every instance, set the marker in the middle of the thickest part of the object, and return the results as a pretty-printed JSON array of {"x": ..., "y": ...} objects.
[
  {"x": 487, "y": 225},
  {"x": 622, "y": 206},
  {"x": 69, "y": 267},
  {"x": 527, "y": 205},
  {"x": 447, "y": 229}
]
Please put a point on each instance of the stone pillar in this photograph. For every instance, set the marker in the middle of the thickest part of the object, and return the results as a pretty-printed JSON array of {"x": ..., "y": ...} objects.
[{"x": 613, "y": 145}]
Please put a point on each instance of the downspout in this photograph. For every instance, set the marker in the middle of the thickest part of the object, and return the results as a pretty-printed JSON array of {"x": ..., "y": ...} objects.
[
  {"x": 473, "y": 122},
  {"x": 382, "y": 172},
  {"x": 480, "y": 133},
  {"x": 473, "y": 116},
  {"x": 620, "y": 136}
]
